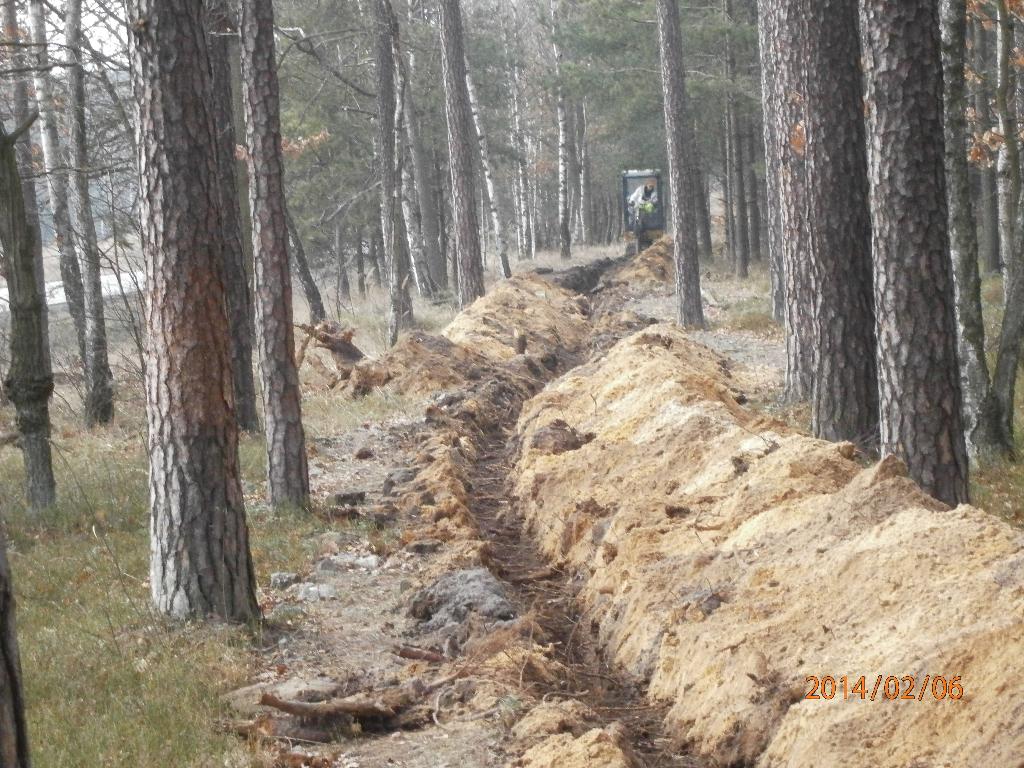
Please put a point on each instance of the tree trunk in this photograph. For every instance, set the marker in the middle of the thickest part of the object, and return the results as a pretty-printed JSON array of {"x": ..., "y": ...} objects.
[
  {"x": 344, "y": 287},
  {"x": 200, "y": 563},
  {"x": 962, "y": 233},
  {"x": 772, "y": 103},
  {"x": 564, "y": 141},
  {"x": 586, "y": 182},
  {"x": 390, "y": 97},
  {"x": 490, "y": 188},
  {"x": 781, "y": 36},
  {"x": 99, "y": 401},
  {"x": 29, "y": 380},
  {"x": 317, "y": 313},
  {"x": 689, "y": 309},
  {"x": 739, "y": 196},
  {"x": 844, "y": 397},
  {"x": 753, "y": 206},
  {"x": 434, "y": 274},
  {"x": 375, "y": 255},
  {"x": 13, "y": 729},
  {"x": 220, "y": 37},
  {"x": 57, "y": 178},
  {"x": 360, "y": 267},
  {"x": 988, "y": 206},
  {"x": 287, "y": 471},
  {"x": 998, "y": 411},
  {"x": 729, "y": 218},
  {"x": 919, "y": 380},
  {"x": 698, "y": 189},
  {"x": 414, "y": 232},
  {"x": 460, "y": 143}
]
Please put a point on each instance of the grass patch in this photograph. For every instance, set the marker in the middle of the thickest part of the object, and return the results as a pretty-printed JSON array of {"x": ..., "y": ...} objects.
[{"x": 108, "y": 682}]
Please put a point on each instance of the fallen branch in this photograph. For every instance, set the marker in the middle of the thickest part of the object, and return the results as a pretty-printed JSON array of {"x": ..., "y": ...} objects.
[
  {"x": 357, "y": 707},
  {"x": 418, "y": 654}
]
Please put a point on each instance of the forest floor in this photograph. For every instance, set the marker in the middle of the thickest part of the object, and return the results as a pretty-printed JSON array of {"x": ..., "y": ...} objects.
[{"x": 510, "y": 670}]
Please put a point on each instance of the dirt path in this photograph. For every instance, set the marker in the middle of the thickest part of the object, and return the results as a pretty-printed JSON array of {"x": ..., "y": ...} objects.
[{"x": 338, "y": 628}]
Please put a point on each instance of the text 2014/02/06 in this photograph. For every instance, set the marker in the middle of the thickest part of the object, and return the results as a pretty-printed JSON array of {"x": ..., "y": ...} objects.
[{"x": 891, "y": 687}]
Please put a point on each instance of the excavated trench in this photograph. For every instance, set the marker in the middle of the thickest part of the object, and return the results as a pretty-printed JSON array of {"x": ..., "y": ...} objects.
[{"x": 672, "y": 566}]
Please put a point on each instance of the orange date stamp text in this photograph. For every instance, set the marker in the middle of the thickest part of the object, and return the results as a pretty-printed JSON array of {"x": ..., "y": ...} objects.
[{"x": 885, "y": 687}]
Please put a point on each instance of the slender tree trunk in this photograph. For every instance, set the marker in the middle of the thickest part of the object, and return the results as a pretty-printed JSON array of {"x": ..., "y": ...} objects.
[
  {"x": 586, "y": 182},
  {"x": 753, "y": 206},
  {"x": 689, "y": 309},
  {"x": 376, "y": 248},
  {"x": 360, "y": 267},
  {"x": 727, "y": 196},
  {"x": 434, "y": 272},
  {"x": 29, "y": 380},
  {"x": 460, "y": 142},
  {"x": 14, "y": 752},
  {"x": 962, "y": 233},
  {"x": 919, "y": 379},
  {"x": 287, "y": 471},
  {"x": 390, "y": 97},
  {"x": 236, "y": 276},
  {"x": 414, "y": 232},
  {"x": 57, "y": 178},
  {"x": 317, "y": 313},
  {"x": 772, "y": 102},
  {"x": 199, "y": 561},
  {"x": 739, "y": 196},
  {"x": 698, "y": 189},
  {"x": 344, "y": 288},
  {"x": 998, "y": 411},
  {"x": 490, "y": 188},
  {"x": 564, "y": 141},
  {"x": 785, "y": 133},
  {"x": 99, "y": 401},
  {"x": 844, "y": 397},
  {"x": 988, "y": 206}
]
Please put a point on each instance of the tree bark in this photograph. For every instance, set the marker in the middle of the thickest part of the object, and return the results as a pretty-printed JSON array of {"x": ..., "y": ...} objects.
[
  {"x": 988, "y": 206},
  {"x": 689, "y": 308},
  {"x": 222, "y": 34},
  {"x": 29, "y": 380},
  {"x": 586, "y": 181},
  {"x": 963, "y": 241},
  {"x": 317, "y": 313},
  {"x": 564, "y": 141},
  {"x": 200, "y": 563},
  {"x": 14, "y": 752},
  {"x": 414, "y": 232},
  {"x": 771, "y": 100},
  {"x": 57, "y": 178},
  {"x": 737, "y": 170},
  {"x": 844, "y": 397},
  {"x": 360, "y": 267},
  {"x": 435, "y": 272},
  {"x": 998, "y": 411},
  {"x": 490, "y": 188},
  {"x": 390, "y": 97},
  {"x": 344, "y": 287},
  {"x": 287, "y": 471},
  {"x": 919, "y": 382},
  {"x": 99, "y": 401},
  {"x": 753, "y": 206},
  {"x": 460, "y": 143},
  {"x": 785, "y": 134}
]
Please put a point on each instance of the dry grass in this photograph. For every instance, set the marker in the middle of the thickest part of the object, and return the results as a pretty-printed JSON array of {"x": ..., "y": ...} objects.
[{"x": 109, "y": 683}]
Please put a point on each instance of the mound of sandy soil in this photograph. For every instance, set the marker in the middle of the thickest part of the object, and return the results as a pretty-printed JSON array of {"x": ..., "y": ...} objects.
[
  {"x": 653, "y": 265},
  {"x": 525, "y": 329},
  {"x": 724, "y": 559}
]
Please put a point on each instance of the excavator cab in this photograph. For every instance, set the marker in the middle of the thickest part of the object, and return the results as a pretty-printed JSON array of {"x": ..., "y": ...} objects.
[{"x": 643, "y": 206}]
